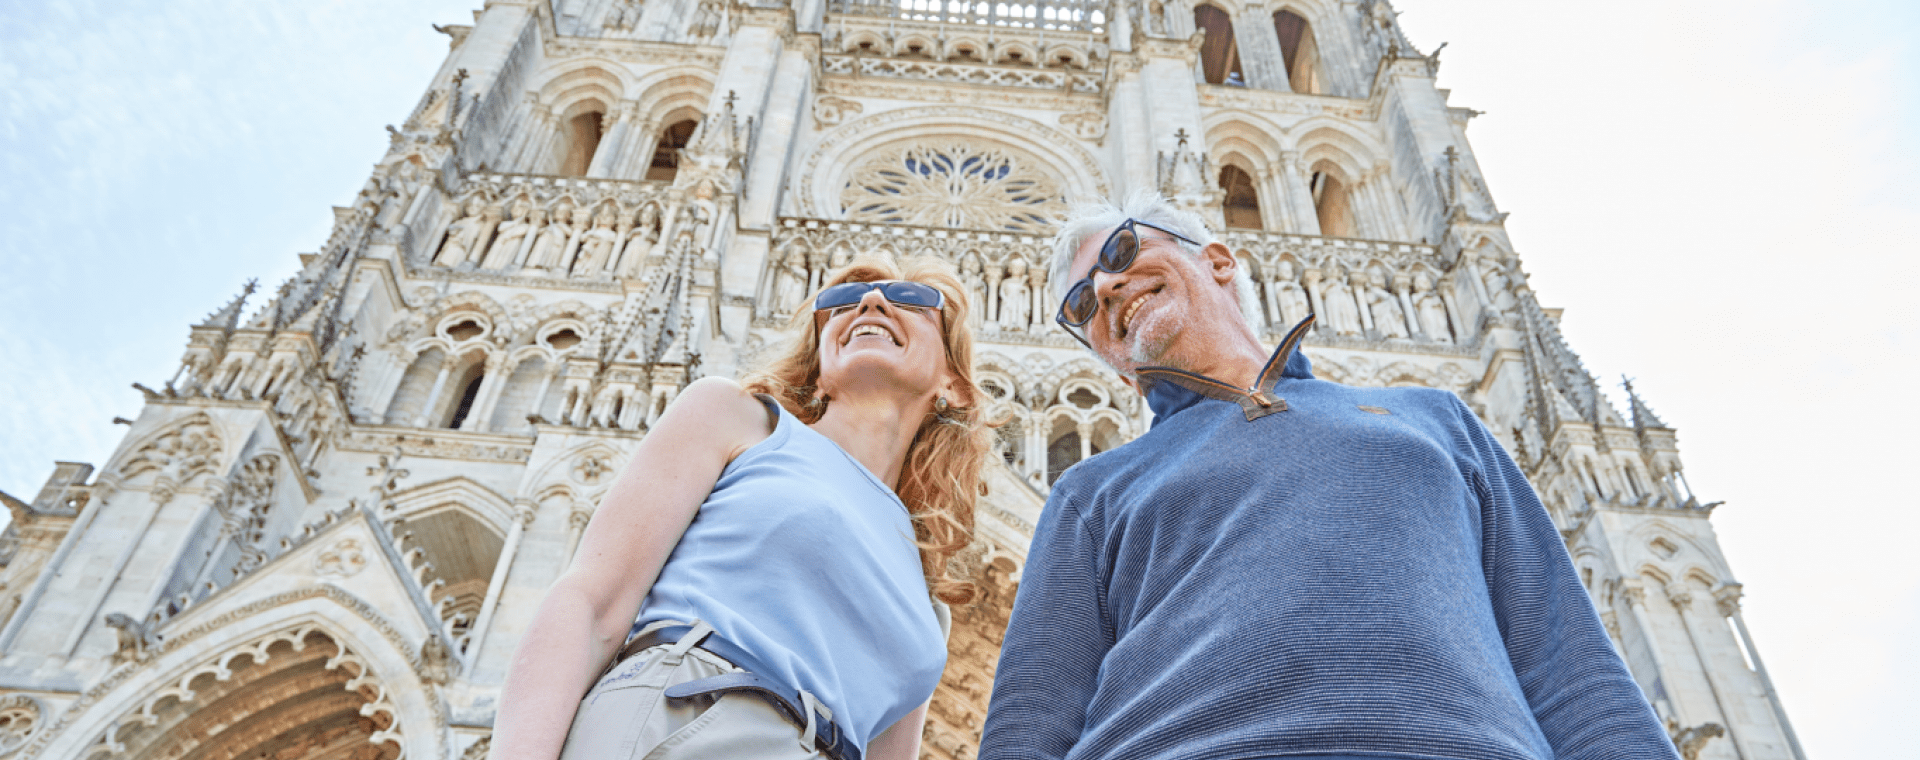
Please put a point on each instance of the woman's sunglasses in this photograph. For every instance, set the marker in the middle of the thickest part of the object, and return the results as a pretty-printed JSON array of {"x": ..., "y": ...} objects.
[
  {"x": 912, "y": 295},
  {"x": 1115, "y": 256}
]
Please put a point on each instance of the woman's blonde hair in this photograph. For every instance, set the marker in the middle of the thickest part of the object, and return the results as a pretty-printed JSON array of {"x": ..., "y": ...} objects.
[{"x": 942, "y": 476}]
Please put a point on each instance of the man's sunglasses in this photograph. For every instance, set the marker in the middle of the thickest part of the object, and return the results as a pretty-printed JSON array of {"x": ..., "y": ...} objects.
[
  {"x": 912, "y": 295},
  {"x": 1115, "y": 256}
]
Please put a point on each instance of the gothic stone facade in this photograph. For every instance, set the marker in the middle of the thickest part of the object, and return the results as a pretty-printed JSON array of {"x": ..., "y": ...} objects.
[{"x": 324, "y": 535}]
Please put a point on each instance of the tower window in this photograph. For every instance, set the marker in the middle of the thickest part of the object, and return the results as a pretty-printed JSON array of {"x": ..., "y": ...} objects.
[
  {"x": 1298, "y": 53},
  {"x": 1220, "y": 54},
  {"x": 468, "y": 394},
  {"x": 1242, "y": 204},
  {"x": 666, "y": 155},
  {"x": 583, "y": 139}
]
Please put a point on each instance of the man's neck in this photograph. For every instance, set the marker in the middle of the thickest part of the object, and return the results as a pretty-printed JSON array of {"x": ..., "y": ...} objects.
[{"x": 1234, "y": 357}]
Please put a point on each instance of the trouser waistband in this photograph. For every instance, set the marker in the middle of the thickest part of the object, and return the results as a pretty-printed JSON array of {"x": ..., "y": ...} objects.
[{"x": 799, "y": 706}]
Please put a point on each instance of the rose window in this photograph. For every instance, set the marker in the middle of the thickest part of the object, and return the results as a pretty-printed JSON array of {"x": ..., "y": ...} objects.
[{"x": 954, "y": 185}]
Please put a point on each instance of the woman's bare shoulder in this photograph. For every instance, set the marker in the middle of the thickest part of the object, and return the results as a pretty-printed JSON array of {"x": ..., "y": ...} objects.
[{"x": 719, "y": 411}]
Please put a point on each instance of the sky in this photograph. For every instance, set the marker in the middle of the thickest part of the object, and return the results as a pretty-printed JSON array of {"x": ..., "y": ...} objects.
[{"x": 1717, "y": 192}]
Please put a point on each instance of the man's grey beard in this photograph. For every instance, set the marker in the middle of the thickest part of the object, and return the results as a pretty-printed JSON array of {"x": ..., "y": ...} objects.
[{"x": 1150, "y": 347}]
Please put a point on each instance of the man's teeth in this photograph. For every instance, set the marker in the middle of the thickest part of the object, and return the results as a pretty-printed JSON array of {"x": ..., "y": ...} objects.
[
  {"x": 1126, "y": 320},
  {"x": 872, "y": 330}
]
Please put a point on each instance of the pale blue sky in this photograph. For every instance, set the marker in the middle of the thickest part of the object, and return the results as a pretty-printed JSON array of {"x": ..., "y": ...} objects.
[{"x": 1722, "y": 194}]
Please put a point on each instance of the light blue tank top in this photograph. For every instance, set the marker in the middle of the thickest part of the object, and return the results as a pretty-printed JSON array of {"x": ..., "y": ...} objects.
[{"x": 806, "y": 560}]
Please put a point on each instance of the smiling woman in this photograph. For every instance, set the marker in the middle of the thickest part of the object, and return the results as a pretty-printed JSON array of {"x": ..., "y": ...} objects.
[{"x": 849, "y": 472}]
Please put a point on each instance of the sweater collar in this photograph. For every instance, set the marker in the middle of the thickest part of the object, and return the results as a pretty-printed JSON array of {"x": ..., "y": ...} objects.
[{"x": 1170, "y": 390}]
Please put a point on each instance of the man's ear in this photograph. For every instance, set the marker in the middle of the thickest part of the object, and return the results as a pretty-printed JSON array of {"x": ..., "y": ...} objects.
[{"x": 1221, "y": 260}]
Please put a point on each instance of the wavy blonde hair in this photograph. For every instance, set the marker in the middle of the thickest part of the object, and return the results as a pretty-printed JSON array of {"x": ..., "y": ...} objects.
[{"x": 942, "y": 477}]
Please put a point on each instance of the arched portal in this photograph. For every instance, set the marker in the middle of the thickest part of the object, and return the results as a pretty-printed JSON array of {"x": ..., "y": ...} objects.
[{"x": 299, "y": 694}]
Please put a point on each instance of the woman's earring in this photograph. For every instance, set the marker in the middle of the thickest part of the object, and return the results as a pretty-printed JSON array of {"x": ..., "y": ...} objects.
[{"x": 940, "y": 405}]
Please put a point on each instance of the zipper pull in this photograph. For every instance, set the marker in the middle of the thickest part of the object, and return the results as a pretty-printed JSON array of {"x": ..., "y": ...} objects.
[{"x": 1263, "y": 398}]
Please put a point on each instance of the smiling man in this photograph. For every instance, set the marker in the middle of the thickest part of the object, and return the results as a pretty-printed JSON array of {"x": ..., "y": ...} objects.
[{"x": 1284, "y": 566}]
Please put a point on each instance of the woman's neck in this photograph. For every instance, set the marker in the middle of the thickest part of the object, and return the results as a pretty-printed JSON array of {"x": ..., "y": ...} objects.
[{"x": 876, "y": 430}]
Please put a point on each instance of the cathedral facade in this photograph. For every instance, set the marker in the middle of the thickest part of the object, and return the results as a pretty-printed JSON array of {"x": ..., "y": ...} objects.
[{"x": 324, "y": 535}]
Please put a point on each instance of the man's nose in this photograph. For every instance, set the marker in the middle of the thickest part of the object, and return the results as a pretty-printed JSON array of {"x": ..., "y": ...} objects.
[{"x": 1107, "y": 284}]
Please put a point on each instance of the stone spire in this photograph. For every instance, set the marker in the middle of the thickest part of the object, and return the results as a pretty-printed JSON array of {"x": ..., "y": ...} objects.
[
  {"x": 1643, "y": 417},
  {"x": 227, "y": 317}
]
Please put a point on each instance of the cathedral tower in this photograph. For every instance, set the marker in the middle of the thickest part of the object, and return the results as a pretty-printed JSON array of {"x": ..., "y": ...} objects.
[{"x": 323, "y": 535}]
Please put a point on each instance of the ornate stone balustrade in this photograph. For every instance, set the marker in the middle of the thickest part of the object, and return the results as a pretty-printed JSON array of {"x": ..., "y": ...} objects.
[
  {"x": 1061, "y": 15},
  {"x": 962, "y": 73}
]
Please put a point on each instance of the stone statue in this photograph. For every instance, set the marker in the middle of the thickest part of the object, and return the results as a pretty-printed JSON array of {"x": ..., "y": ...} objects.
[
  {"x": 625, "y": 15},
  {"x": 1343, "y": 314},
  {"x": 976, "y": 288},
  {"x": 464, "y": 235},
  {"x": 553, "y": 240},
  {"x": 842, "y": 256},
  {"x": 582, "y": 221},
  {"x": 1387, "y": 318},
  {"x": 1431, "y": 309},
  {"x": 135, "y": 641},
  {"x": 1037, "y": 279},
  {"x": 1494, "y": 276},
  {"x": 507, "y": 240},
  {"x": 992, "y": 289},
  {"x": 596, "y": 246},
  {"x": 1016, "y": 302},
  {"x": 1287, "y": 296},
  {"x": 436, "y": 663},
  {"x": 640, "y": 242},
  {"x": 790, "y": 281}
]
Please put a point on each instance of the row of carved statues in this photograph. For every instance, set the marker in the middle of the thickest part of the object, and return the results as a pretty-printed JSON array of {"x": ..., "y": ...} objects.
[
  {"x": 1356, "y": 303},
  {"x": 585, "y": 241}
]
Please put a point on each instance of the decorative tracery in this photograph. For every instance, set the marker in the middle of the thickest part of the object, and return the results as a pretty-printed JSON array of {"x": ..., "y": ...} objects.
[{"x": 955, "y": 185}]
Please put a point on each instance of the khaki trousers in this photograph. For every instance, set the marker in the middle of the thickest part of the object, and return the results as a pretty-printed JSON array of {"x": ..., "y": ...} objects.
[{"x": 627, "y": 716}]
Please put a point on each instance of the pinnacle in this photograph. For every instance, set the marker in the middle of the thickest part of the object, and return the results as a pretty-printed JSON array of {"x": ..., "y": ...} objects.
[{"x": 228, "y": 317}]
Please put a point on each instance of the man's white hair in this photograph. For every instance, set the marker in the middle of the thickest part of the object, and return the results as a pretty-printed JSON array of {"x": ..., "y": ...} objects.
[{"x": 1087, "y": 219}]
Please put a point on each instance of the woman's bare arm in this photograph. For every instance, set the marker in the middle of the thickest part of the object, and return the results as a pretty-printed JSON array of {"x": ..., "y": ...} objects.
[
  {"x": 901, "y": 741},
  {"x": 589, "y": 610}
]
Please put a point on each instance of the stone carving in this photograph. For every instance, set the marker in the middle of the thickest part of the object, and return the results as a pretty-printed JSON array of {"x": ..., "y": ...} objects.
[
  {"x": 1689, "y": 741},
  {"x": 829, "y": 110},
  {"x": 1016, "y": 305},
  {"x": 1086, "y": 125},
  {"x": 1431, "y": 309},
  {"x": 552, "y": 243},
  {"x": 596, "y": 246},
  {"x": 1343, "y": 314},
  {"x": 1385, "y": 308},
  {"x": 436, "y": 662},
  {"x": 479, "y": 749},
  {"x": 970, "y": 273},
  {"x": 1286, "y": 300},
  {"x": 509, "y": 236},
  {"x": 343, "y": 559},
  {"x": 467, "y": 234},
  {"x": 135, "y": 641},
  {"x": 20, "y": 716},
  {"x": 624, "y": 15},
  {"x": 953, "y": 185},
  {"x": 790, "y": 281},
  {"x": 244, "y": 511},
  {"x": 592, "y": 468}
]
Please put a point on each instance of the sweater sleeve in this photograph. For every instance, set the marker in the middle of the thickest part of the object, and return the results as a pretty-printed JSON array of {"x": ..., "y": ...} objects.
[
  {"x": 1056, "y": 639},
  {"x": 1582, "y": 696}
]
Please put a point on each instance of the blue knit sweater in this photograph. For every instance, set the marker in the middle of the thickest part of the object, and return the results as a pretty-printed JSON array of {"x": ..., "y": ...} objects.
[{"x": 1364, "y": 574}]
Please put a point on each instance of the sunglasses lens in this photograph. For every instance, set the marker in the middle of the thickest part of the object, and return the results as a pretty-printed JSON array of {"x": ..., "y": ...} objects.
[
  {"x": 900, "y": 292},
  {"x": 1118, "y": 253},
  {"x": 844, "y": 294},
  {"x": 1079, "y": 306},
  {"x": 912, "y": 294}
]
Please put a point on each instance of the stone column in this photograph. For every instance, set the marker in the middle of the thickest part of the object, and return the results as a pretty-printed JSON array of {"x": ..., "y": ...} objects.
[
  {"x": 1312, "y": 279},
  {"x": 523, "y": 514},
  {"x": 1299, "y": 195},
  {"x": 491, "y": 387},
  {"x": 1260, "y": 54},
  {"x": 433, "y": 396},
  {"x": 608, "y": 152},
  {"x": 1402, "y": 285},
  {"x": 1682, "y": 599},
  {"x": 1727, "y": 601},
  {"x": 1636, "y": 596}
]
